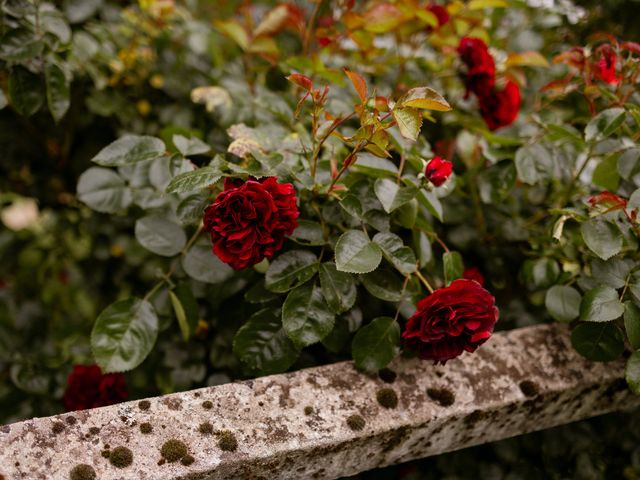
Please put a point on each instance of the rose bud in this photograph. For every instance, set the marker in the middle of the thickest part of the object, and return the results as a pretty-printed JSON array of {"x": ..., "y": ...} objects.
[
  {"x": 481, "y": 68},
  {"x": 605, "y": 69},
  {"x": 438, "y": 170},
  {"x": 451, "y": 320},
  {"x": 87, "y": 387},
  {"x": 440, "y": 12},
  {"x": 249, "y": 220},
  {"x": 473, "y": 273},
  {"x": 501, "y": 108}
]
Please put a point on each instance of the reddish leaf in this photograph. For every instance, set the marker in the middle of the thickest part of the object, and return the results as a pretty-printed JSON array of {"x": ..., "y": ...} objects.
[
  {"x": 301, "y": 80},
  {"x": 359, "y": 83}
]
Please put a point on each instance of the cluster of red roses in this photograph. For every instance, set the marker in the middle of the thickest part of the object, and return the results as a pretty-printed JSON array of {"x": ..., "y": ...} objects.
[
  {"x": 498, "y": 107},
  {"x": 87, "y": 387}
]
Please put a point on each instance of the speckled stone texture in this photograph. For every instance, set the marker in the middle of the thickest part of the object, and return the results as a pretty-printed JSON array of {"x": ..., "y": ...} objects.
[{"x": 325, "y": 422}]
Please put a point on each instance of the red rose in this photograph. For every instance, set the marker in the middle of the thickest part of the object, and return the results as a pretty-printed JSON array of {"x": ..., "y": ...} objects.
[
  {"x": 605, "y": 69},
  {"x": 249, "y": 220},
  {"x": 440, "y": 12},
  {"x": 500, "y": 108},
  {"x": 87, "y": 387},
  {"x": 481, "y": 69},
  {"x": 438, "y": 170},
  {"x": 473, "y": 273},
  {"x": 451, "y": 320}
]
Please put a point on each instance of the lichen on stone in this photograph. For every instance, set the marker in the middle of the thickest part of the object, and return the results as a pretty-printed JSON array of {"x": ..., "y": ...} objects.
[
  {"x": 187, "y": 460},
  {"x": 173, "y": 450},
  {"x": 82, "y": 471},
  {"x": 205, "y": 428},
  {"x": 121, "y": 457},
  {"x": 387, "y": 397},
  {"x": 57, "y": 427},
  {"x": 144, "y": 405},
  {"x": 146, "y": 428},
  {"x": 442, "y": 396}
]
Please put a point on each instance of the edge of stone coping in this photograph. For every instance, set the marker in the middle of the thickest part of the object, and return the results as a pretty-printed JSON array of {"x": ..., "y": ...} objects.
[{"x": 306, "y": 424}]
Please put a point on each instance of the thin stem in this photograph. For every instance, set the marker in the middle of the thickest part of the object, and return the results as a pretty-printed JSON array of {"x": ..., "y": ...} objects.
[
  {"x": 325, "y": 136},
  {"x": 424, "y": 281},
  {"x": 310, "y": 26},
  {"x": 153, "y": 291},
  {"x": 402, "y": 294}
]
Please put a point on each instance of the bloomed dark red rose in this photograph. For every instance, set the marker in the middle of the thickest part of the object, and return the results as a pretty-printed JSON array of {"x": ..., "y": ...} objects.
[
  {"x": 87, "y": 387},
  {"x": 440, "y": 12},
  {"x": 451, "y": 320},
  {"x": 481, "y": 68},
  {"x": 606, "y": 66},
  {"x": 249, "y": 220},
  {"x": 438, "y": 170},
  {"x": 474, "y": 273},
  {"x": 500, "y": 108}
]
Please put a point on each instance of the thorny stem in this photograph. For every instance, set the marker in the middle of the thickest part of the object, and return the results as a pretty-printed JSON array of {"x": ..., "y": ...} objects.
[
  {"x": 318, "y": 146},
  {"x": 435, "y": 236}
]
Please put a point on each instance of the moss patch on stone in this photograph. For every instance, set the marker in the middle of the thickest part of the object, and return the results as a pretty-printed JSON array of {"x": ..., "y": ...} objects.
[
  {"x": 187, "y": 460},
  {"x": 106, "y": 453},
  {"x": 308, "y": 410},
  {"x": 146, "y": 428},
  {"x": 227, "y": 441},
  {"x": 71, "y": 420},
  {"x": 356, "y": 422},
  {"x": 82, "y": 471},
  {"x": 173, "y": 450},
  {"x": 387, "y": 375},
  {"x": 57, "y": 427},
  {"x": 529, "y": 388},
  {"x": 387, "y": 397},
  {"x": 206, "y": 428},
  {"x": 442, "y": 396},
  {"x": 121, "y": 457},
  {"x": 207, "y": 404},
  {"x": 94, "y": 430},
  {"x": 144, "y": 405}
]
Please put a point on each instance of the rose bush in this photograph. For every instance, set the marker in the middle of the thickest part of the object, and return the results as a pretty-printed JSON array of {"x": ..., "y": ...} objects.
[{"x": 343, "y": 159}]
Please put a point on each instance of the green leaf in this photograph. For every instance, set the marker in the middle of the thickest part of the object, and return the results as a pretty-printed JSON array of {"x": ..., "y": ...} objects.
[
  {"x": 3, "y": 100},
  {"x": 563, "y": 303},
  {"x": 628, "y": 164},
  {"x": 453, "y": 266},
  {"x": 392, "y": 195},
  {"x": 130, "y": 149},
  {"x": 612, "y": 272},
  {"x": 371, "y": 165},
  {"x": 195, "y": 180},
  {"x": 190, "y": 210},
  {"x": 181, "y": 316},
  {"x": 376, "y": 344},
  {"x": 190, "y": 146},
  {"x": 383, "y": 284},
  {"x": 308, "y": 233},
  {"x": 632, "y": 323},
  {"x": 605, "y": 123},
  {"x": 599, "y": 342},
  {"x": 189, "y": 304},
  {"x": 409, "y": 121},
  {"x": 103, "y": 190},
  {"x": 424, "y": 98},
  {"x": 634, "y": 200},
  {"x": 431, "y": 202},
  {"x": 422, "y": 245},
  {"x": 20, "y": 45},
  {"x": 496, "y": 182},
  {"x": 290, "y": 270},
  {"x": 58, "y": 92},
  {"x": 259, "y": 294},
  {"x": 396, "y": 252},
  {"x": 603, "y": 238},
  {"x": 306, "y": 317},
  {"x": 534, "y": 164},
  {"x": 26, "y": 91},
  {"x": 124, "y": 334},
  {"x": 632, "y": 372},
  {"x": 355, "y": 253},
  {"x": 605, "y": 175},
  {"x": 160, "y": 235},
  {"x": 262, "y": 344},
  {"x": 338, "y": 288},
  {"x": 201, "y": 264},
  {"x": 407, "y": 214},
  {"x": 601, "y": 304}
]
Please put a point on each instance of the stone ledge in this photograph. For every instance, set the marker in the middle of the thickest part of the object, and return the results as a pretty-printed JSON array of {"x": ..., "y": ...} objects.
[{"x": 325, "y": 422}]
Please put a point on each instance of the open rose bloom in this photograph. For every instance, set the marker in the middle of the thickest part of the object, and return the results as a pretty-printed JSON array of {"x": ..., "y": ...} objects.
[{"x": 451, "y": 320}]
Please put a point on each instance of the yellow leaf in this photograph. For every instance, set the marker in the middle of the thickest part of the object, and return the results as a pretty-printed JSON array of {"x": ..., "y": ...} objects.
[
  {"x": 235, "y": 31},
  {"x": 527, "y": 59},
  {"x": 359, "y": 83},
  {"x": 482, "y": 4},
  {"x": 425, "y": 98}
]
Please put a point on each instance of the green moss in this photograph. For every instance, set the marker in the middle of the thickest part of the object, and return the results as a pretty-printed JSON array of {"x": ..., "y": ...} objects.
[
  {"x": 356, "y": 422},
  {"x": 205, "y": 428},
  {"x": 529, "y": 388},
  {"x": 173, "y": 450},
  {"x": 121, "y": 457},
  {"x": 387, "y": 398},
  {"x": 146, "y": 428},
  {"x": 308, "y": 410},
  {"x": 71, "y": 420},
  {"x": 387, "y": 375},
  {"x": 94, "y": 430},
  {"x": 82, "y": 472},
  {"x": 207, "y": 405},
  {"x": 187, "y": 460},
  {"x": 443, "y": 396},
  {"x": 106, "y": 453},
  {"x": 144, "y": 405},
  {"x": 227, "y": 441},
  {"x": 57, "y": 427}
]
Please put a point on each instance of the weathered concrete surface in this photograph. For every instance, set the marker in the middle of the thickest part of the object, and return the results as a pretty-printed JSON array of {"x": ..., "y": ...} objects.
[{"x": 299, "y": 425}]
